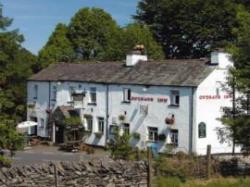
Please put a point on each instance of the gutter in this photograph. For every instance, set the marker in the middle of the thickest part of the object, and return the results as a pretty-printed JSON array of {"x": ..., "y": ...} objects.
[{"x": 107, "y": 114}]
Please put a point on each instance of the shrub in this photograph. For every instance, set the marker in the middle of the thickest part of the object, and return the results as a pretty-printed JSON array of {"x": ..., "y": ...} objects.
[
  {"x": 136, "y": 135},
  {"x": 73, "y": 121},
  {"x": 162, "y": 137},
  {"x": 4, "y": 162}
]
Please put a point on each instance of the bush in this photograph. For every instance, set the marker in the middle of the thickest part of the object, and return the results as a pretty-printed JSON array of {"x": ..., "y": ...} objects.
[
  {"x": 4, "y": 162},
  {"x": 136, "y": 136}
]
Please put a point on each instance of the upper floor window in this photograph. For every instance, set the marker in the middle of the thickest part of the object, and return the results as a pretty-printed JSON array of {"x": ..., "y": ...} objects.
[
  {"x": 89, "y": 123},
  {"x": 54, "y": 93},
  {"x": 153, "y": 134},
  {"x": 175, "y": 98},
  {"x": 101, "y": 124},
  {"x": 174, "y": 137},
  {"x": 35, "y": 91},
  {"x": 126, "y": 95},
  {"x": 202, "y": 130},
  {"x": 93, "y": 95}
]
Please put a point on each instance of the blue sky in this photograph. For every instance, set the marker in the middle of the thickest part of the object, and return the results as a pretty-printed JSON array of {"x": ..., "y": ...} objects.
[{"x": 36, "y": 19}]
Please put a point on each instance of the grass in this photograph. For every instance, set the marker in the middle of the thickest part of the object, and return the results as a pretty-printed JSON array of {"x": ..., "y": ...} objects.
[{"x": 218, "y": 182}]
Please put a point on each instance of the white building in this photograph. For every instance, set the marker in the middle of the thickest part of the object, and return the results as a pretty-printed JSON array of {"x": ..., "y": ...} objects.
[{"x": 181, "y": 99}]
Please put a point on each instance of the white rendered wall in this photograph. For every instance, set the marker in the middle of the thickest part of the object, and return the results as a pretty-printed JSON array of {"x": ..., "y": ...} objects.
[
  {"x": 157, "y": 113},
  {"x": 63, "y": 99},
  {"x": 209, "y": 110}
]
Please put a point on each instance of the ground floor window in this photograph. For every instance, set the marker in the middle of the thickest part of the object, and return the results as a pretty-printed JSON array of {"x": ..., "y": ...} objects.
[
  {"x": 89, "y": 123},
  {"x": 126, "y": 128},
  {"x": 153, "y": 134},
  {"x": 174, "y": 137},
  {"x": 100, "y": 124},
  {"x": 202, "y": 130}
]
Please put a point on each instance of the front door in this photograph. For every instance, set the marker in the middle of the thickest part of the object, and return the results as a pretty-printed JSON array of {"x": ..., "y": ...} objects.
[{"x": 59, "y": 134}]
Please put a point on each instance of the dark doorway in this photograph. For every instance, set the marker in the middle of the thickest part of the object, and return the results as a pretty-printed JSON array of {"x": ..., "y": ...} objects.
[
  {"x": 59, "y": 134},
  {"x": 34, "y": 128}
]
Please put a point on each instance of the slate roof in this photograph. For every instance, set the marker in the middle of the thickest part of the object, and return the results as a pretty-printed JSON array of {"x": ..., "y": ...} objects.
[{"x": 164, "y": 73}]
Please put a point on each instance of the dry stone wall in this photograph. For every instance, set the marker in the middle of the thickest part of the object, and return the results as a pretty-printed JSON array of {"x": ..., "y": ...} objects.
[{"x": 93, "y": 173}]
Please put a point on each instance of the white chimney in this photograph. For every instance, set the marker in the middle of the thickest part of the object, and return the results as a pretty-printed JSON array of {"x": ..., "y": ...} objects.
[
  {"x": 222, "y": 59},
  {"x": 136, "y": 55}
]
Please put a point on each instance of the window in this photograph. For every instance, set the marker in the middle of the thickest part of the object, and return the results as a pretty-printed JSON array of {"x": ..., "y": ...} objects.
[
  {"x": 71, "y": 92},
  {"x": 35, "y": 91},
  {"x": 89, "y": 122},
  {"x": 175, "y": 98},
  {"x": 174, "y": 137},
  {"x": 126, "y": 128},
  {"x": 101, "y": 125},
  {"x": 41, "y": 123},
  {"x": 54, "y": 93},
  {"x": 126, "y": 95},
  {"x": 202, "y": 130},
  {"x": 93, "y": 95},
  {"x": 152, "y": 134}
]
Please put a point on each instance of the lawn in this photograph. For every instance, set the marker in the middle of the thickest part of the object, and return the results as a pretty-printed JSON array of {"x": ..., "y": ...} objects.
[{"x": 218, "y": 182}]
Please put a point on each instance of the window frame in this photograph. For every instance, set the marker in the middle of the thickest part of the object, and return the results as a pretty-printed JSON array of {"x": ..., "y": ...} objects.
[
  {"x": 155, "y": 134},
  {"x": 174, "y": 137},
  {"x": 175, "y": 98},
  {"x": 89, "y": 126},
  {"x": 204, "y": 133},
  {"x": 93, "y": 96},
  {"x": 126, "y": 95},
  {"x": 100, "y": 125}
]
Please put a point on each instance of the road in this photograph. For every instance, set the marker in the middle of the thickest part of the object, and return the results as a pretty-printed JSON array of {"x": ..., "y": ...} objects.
[{"x": 41, "y": 154}]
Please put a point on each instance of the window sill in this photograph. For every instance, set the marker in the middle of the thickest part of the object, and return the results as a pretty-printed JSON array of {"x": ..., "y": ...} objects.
[
  {"x": 126, "y": 102},
  {"x": 174, "y": 106},
  {"x": 92, "y": 104}
]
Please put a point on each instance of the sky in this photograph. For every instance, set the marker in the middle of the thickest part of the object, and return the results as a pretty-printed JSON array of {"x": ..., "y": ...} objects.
[{"x": 36, "y": 19}]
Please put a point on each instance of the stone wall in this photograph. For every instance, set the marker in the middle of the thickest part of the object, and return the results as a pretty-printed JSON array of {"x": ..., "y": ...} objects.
[{"x": 93, "y": 173}]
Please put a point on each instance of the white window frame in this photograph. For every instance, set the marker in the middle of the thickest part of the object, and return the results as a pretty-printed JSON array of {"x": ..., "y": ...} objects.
[
  {"x": 100, "y": 124},
  {"x": 126, "y": 95},
  {"x": 35, "y": 91},
  {"x": 92, "y": 95},
  {"x": 174, "y": 137},
  {"x": 153, "y": 134},
  {"x": 175, "y": 98},
  {"x": 89, "y": 123}
]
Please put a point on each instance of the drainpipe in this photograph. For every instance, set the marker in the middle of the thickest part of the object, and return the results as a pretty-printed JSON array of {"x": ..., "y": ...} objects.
[
  {"x": 107, "y": 114},
  {"x": 191, "y": 139}
]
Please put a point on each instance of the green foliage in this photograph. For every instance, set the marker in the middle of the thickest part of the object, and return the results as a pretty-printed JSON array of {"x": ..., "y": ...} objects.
[
  {"x": 10, "y": 139},
  {"x": 73, "y": 121},
  {"x": 16, "y": 65},
  {"x": 92, "y": 34},
  {"x": 58, "y": 48},
  {"x": 189, "y": 28},
  {"x": 238, "y": 121},
  {"x": 4, "y": 162},
  {"x": 136, "y": 135},
  {"x": 162, "y": 137},
  {"x": 120, "y": 147}
]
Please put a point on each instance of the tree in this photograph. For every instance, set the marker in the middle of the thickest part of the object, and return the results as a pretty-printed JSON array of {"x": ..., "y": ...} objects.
[
  {"x": 58, "y": 48},
  {"x": 16, "y": 65},
  {"x": 188, "y": 28},
  {"x": 92, "y": 34},
  {"x": 140, "y": 34},
  {"x": 237, "y": 118}
]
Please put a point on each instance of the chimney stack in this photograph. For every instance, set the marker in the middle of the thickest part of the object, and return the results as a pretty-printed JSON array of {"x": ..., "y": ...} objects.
[
  {"x": 138, "y": 54},
  {"x": 221, "y": 58}
]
